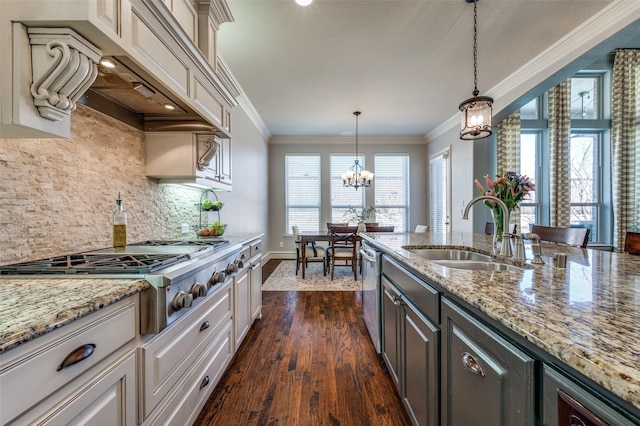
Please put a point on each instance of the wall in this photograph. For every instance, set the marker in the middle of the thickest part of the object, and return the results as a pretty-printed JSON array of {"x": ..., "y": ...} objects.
[
  {"x": 325, "y": 146},
  {"x": 57, "y": 196}
]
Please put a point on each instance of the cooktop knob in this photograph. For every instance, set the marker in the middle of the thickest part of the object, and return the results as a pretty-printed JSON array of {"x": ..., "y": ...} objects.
[
  {"x": 231, "y": 268},
  {"x": 217, "y": 277},
  {"x": 239, "y": 264},
  {"x": 198, "y": 290},
  {"x": 182, "y": 300}
]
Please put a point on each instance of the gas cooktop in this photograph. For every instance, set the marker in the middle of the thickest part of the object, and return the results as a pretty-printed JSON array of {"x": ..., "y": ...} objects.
[{"x": 144, "y": 257}]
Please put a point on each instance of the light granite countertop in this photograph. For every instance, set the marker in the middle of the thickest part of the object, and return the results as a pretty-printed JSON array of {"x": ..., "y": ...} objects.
[
  {"x": 587, "y": 315},
  {"x": 31, "y": 307}
]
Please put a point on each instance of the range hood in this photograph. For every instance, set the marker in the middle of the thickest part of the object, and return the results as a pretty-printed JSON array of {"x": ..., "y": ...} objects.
[{"x": 125, "y": 92}]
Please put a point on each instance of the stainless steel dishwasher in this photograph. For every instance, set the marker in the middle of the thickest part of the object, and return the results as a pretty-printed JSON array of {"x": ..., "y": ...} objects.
[{"x": 370, "y": 292}]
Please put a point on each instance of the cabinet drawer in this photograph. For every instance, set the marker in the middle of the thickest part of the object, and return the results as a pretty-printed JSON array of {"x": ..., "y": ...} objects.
[
  {"x": 422, "y": 294},
  {"x": 187, "y": 401},
  {"x": 168, "y": 356},
  {"x": 245, "y": 254},
  {"x": 28, "y": 379},
  {"x": 256, "y": 247}
]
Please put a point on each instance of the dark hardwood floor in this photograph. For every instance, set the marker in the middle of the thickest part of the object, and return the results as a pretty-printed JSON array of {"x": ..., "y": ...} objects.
[{"x": 308, "y": 361}]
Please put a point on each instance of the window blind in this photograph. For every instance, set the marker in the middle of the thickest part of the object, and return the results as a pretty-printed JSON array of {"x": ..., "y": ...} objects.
[{"x": 302, "y": 178}]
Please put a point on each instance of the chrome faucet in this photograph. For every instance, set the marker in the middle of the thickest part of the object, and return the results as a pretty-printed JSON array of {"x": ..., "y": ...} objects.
[
  {"x": 505, "y": 250},
  {"x": 535, "y": 245}
]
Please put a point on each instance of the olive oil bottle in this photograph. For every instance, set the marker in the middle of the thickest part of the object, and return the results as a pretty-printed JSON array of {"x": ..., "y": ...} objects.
[{"x": 119, "y": 225}]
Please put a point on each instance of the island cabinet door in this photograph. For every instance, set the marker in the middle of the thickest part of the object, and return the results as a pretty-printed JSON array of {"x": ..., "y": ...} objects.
[
  {"x": 391, "y": 331},
  {"x": 485, "y": 379},
  {"x": 421, "y": 364}
]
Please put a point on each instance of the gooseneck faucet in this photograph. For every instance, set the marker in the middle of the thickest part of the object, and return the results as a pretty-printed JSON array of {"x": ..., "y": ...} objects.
[{"x": 505, "y": 249}]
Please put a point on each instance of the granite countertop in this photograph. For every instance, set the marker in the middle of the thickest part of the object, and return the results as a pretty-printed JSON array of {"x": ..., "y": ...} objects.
[
  {"x": 31, "y": 307},
  {"x": 587, "y": 315}
]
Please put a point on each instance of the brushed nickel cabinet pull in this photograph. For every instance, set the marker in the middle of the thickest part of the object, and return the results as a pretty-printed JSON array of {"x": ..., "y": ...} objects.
[
  {"x": 79, "y": 354},
  {"x": 204, "y": 382},
  {"x": 471, "y": 364},
  {"x": 204, "y": 325},
  {"x": 576, "y": 421}
]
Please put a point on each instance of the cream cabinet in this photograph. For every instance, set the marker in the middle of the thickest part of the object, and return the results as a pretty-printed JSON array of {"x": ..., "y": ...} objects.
[
  {"x": 242, "y": 312},
  {"x": 73, "y": 374},
  {"x": 255, "y": 279},
  {"x": 185, "y": 157},
  {"x": 170, "y": 357}
]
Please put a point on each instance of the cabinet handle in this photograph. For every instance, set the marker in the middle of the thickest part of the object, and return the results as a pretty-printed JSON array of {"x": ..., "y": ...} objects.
[
  {"x": 83, "y": 352},
  {"x": 204, "y": 325},
  {"x": 253, "y": 267},
  {"x": 243, "y": 256},
  {"x": 204, "y": 382},
  {"x": 471, "y": 364},
  {"x": 576, "y": 421}
]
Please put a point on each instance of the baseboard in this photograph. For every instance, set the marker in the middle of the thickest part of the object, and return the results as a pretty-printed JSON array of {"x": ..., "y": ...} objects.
[{"x": 279, "y": 255}]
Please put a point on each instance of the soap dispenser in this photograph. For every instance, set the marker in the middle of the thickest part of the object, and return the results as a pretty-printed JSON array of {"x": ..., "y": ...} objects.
[{"x": 119, "y": 225}]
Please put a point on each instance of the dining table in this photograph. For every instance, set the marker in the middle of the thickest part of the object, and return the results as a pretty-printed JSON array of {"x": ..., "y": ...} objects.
[{"x": 309, "y": 236}]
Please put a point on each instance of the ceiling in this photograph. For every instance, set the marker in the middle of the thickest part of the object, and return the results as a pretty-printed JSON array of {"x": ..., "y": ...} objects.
[{"x": 406, "y": 64}]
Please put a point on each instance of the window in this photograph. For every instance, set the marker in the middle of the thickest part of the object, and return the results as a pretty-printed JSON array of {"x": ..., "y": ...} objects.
[
  {"x": 344, "y": 197},
  {"x": 303, "y": 192},
  {"x": 391, "y": 186},
  {"x": 585, "y": 97},
  {"x": 529, "y": 161},
  {"x": 439, "y": 197},
  {"x": 584, "y": 181},
  {"x": 589, "y": 152}
]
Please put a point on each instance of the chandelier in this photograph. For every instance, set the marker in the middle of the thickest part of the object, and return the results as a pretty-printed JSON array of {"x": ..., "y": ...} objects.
[
  {"x": 357, "y": 176},
  {"x": 476, "y": 111}
]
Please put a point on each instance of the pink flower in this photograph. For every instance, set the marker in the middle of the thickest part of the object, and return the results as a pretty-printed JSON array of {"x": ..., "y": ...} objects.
[
  {"x": 490, "y": 183},
  {"x": 479, "y": 186}
]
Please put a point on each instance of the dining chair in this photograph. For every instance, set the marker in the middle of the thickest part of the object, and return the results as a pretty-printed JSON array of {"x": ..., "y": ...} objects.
[
  {"x": 343, "y": 249},
  {"x": 571, "y": 236},
  {"x": 422, "y": 228},
  {"x": 313, "y": 253},
  {"x": 380, "y": 228},
  {"x": 632, "y": 243},
  {"x": 489, "y": 228}
]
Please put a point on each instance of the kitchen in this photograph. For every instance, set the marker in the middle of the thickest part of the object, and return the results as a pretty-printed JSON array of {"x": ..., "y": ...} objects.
[{"x": 67, "y": 187}]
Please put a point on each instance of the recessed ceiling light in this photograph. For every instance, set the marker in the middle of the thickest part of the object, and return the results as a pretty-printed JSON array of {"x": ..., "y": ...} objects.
[
  {"x": 304, "y": 2},
  {"x": 107, "y": 63}
]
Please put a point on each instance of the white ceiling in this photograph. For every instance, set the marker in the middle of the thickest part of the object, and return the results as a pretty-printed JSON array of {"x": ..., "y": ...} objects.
[{"x": 406, "y": 64}]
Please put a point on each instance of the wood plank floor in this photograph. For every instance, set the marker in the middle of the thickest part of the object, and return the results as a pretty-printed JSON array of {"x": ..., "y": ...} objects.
[{"x": 308, "y": 361}]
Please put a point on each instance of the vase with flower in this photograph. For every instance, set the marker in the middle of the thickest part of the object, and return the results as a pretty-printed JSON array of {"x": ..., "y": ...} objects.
[{"x": 511, "y": 188}]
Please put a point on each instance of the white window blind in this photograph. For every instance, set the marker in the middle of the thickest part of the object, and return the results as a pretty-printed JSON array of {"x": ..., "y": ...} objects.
[
  {"x": 440, "y": 198},
  {"x": 343, "y": 197},
  {"x": 303, "y": 192},
  {"x": 391, "y": 188}
]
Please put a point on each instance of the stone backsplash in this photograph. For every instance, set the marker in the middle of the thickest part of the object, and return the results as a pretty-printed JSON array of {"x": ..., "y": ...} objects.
[{"x": 58, "y": 196}]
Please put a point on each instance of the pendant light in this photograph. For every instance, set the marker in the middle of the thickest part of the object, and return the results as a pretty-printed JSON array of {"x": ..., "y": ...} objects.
[
  {"x": 476, "y": 111},
  {"x": 357, "y": 176}
]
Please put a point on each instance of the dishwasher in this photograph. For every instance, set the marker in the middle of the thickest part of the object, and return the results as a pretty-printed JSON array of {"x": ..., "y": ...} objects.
[{"x": 370, "y": 292}]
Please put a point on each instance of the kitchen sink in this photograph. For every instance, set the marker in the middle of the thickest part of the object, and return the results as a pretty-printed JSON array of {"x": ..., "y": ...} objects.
[
  {"x": 475, "y": 265},
  {"x": 450, "y": 254}
]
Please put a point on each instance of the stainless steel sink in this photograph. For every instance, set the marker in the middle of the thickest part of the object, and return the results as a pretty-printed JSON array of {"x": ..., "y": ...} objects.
[
  {"x": 450, "y": 254},
  {"x": 477, "y": 265}
]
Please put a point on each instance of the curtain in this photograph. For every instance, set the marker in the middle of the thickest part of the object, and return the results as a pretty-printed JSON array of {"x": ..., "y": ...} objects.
[
  {"x": 625, "y": 139},
  {"x": 508, "y": 150},
  {"x": 559, "y": 109}
]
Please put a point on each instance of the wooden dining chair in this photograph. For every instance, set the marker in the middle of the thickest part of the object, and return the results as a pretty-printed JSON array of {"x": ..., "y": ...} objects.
[
  {"x": 571, "y": 236},
  {"x": 632, "y": 243},
  {"x": 343, "y": 250},
  {"x": 380, "y": 228},
  {"x": 313, "y": 253},
  {"x": 489, "y": 228}
]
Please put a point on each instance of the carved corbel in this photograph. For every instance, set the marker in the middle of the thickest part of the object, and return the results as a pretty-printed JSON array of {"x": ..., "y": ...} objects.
[
  {"x": 64, "y": 65},
  {"x": 207, "y": 149}
]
